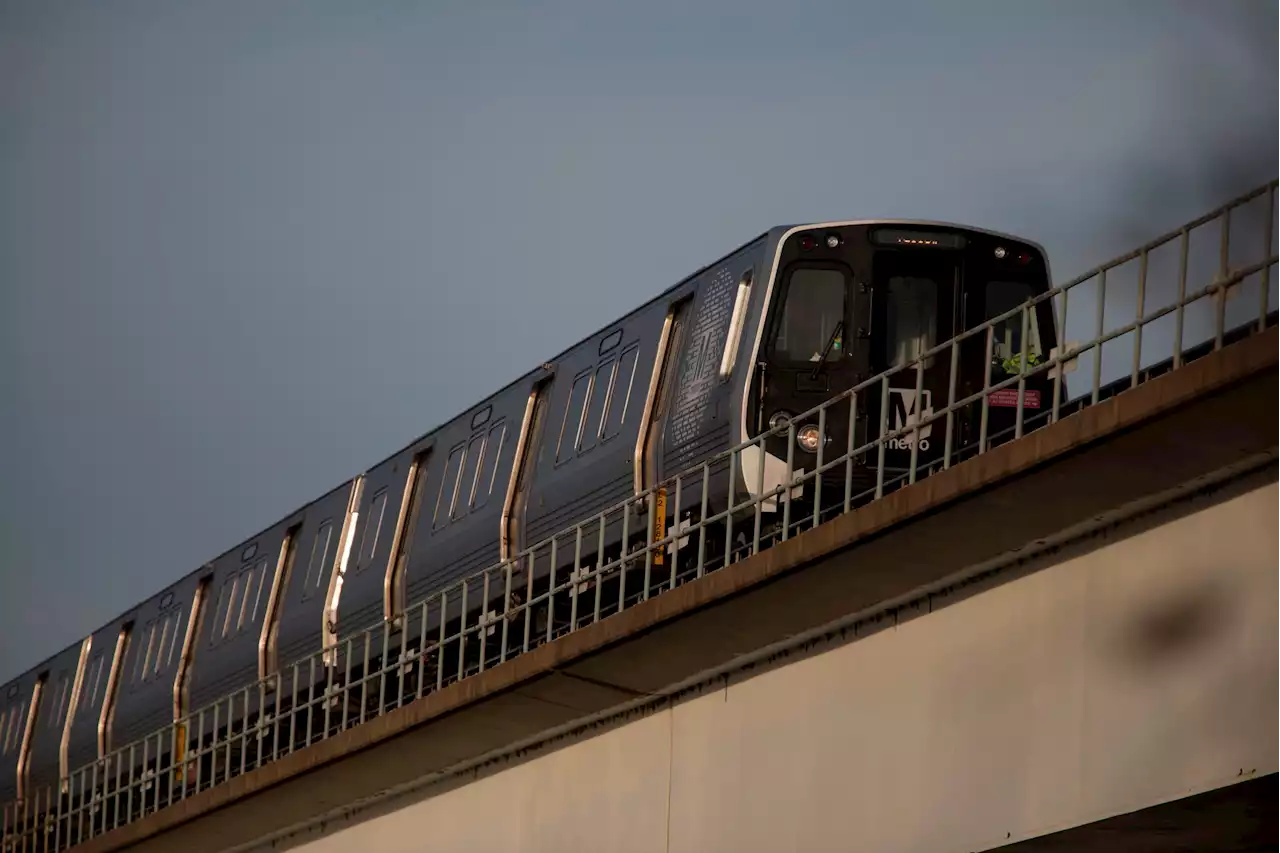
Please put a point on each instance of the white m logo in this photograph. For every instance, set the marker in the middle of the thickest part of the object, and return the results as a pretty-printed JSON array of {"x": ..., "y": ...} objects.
[{"x": 905, "y": 411}]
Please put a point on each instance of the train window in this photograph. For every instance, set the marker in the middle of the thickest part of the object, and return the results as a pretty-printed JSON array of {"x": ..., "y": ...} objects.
[
  {"x": 493, "y": 454},
  {"x": 236, "y": 589},
  {"x": 593, "y": 418},
  {"x": 4, "y": 731},
  {"x": 815, "y": 304},
  {"x": 470, "y": 475},
  {"x": 319, "y": 557},
  {"x": 257, "y": 593},
  {"x": 372, "y": 527},
  {"x": 219, "y": 611},
  {"x": 14, "y": 713},
  {"x": 94, "y": 681},
  {"x": 143, "y": 658},
  {"x": 177, "y": 618},
  {"x": 912, "y": 317},
  {"x": 571, "y": 427},
  {"x": 449, "y": 481},
  {"x": 1002, "y": 296},
  {"x": 161, "y": 651},
  {"x": 59, "y": 707},
  {"x": 250, "y": 575},
  {"x": 615, "y": 413}
]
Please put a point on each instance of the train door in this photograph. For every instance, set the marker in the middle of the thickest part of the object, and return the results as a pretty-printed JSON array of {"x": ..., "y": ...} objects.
[
  {"x": 402, "y": 540},
  {"x": 914, "y": 309},
  {"x": 513, "y": 512},
  {"x": 666, "y": 362},
  {"x": 268, "y": 642}
]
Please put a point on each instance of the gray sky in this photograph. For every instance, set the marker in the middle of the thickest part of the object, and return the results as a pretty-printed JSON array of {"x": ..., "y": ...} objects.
[{"x": 248, "y": 249}]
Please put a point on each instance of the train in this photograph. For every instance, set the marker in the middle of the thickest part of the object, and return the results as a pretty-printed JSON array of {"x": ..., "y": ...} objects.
[{"x": 742, "y": 346}]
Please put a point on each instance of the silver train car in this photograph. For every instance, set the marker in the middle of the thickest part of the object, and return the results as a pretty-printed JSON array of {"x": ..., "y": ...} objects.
[{"x": 770, "y": 330}]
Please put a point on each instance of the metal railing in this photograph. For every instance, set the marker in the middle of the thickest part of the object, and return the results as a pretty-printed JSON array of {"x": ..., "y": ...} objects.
[{"x": 546, "y": 594}]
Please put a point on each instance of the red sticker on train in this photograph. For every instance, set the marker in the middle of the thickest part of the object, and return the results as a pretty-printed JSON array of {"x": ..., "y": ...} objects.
[{"x": 1008, "y": 397}]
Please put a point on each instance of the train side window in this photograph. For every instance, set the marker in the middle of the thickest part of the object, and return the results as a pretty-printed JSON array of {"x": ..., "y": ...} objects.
[
  {"x": 593, "y": 417},
  {"x": 571, "y": 427},
  {"x": 94, "y": 681},
  {"x": 60, "y": 706},
  {"x": 1002, "y": 296},
  {"x": 219, "y": 611},
  {"x": 912, "y": 319},
  {"x": 815, "y": 303},
  {"x": 258, "y": 591},
  {"x": 493, "y": 448},
  {"x": 142, "y": 656},
  {"x": 470, "y": 475},
  {"x": 178, "y": 619},
  {"x": 319, "y": 558},
  {"x": 449, "y": 482},
  {"x": 615, "y": 414},
  {"x": 372, "y": 527},
  {"x": 252, "y": 593},
  {"x": 16, "y": 724},
  {"x": 161, "y": 651},
  {"x": 237, "y": 588}
]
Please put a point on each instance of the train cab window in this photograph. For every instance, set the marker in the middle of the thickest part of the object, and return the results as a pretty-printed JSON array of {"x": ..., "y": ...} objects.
[
  {"x": 1006, "y": 344},
  {"x": 911, "y": 319},
  {"x": 815, "y": 304}
]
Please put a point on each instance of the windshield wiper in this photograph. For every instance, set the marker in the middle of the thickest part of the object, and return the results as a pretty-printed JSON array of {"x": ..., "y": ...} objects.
[{"x": 826, "y": 350}]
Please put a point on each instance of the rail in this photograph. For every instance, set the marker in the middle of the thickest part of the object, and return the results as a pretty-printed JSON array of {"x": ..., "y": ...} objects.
[{"x": 379, "y": 669}]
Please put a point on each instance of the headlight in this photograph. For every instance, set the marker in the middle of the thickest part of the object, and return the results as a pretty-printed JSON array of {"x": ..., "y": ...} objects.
[
  {"x": 808, "y": 438},
  {"x": 779, "y": 419}
]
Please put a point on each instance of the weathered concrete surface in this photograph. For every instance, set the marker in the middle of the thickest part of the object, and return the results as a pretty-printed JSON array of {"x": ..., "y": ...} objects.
[{"x": 1216, "y": 412}]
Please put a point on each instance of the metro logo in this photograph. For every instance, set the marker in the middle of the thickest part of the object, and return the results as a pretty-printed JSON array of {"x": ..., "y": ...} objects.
[{"x": 905, "y": 411}]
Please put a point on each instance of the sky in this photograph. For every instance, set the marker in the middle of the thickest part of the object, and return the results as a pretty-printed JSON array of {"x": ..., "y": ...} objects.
[{"x": 249, "y": 249}]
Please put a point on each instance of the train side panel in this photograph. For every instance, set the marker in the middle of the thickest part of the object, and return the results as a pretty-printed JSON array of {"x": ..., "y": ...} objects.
[
  {"x": 17, "y": 713},
  {"x": 384, "y": 510},
  {"x": 586, "y": 452},
  {"x": 144, "y": 695},
  {"x": 44, "y": 765},
  {"x": 463, "y": 488},
  {"x": 702, "y": 408},
  {"x": 325, "y": 539},
  {"x": 96, "y": 690}
]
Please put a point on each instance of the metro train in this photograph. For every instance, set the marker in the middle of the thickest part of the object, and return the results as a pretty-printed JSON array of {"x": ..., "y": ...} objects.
[{"x": 772, "y": 329}]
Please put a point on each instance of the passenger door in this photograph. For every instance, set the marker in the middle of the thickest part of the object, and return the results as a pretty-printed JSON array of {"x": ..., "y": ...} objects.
[{"x": 914, "y": 299}]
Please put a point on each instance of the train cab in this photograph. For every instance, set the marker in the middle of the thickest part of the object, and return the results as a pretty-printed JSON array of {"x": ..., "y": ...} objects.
[{"x": 850, "y": 301}]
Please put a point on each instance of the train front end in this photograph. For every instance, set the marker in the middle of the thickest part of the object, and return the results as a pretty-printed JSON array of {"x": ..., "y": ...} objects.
[{"x": 873, "y": 305}]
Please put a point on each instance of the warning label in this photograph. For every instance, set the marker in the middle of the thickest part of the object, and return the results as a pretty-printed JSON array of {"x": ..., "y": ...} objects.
[{"x": 1008, "y": 397}]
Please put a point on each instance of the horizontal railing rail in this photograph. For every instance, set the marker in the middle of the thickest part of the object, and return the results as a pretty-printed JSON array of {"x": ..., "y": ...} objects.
[{"x": 546, "y": 591}]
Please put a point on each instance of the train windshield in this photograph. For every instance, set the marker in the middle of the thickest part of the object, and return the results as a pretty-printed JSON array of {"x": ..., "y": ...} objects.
[
  {"x": 912, "y": 317},
  {"x": 815, "y": 306}
]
